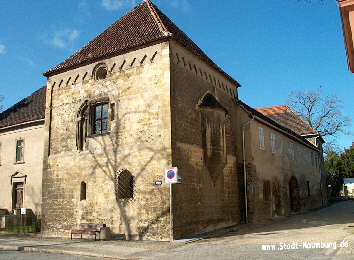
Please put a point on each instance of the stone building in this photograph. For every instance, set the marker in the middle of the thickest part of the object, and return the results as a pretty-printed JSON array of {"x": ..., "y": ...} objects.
[
  {"x": 139, "y": 98},
  {"x": 21, "y": 154},
  {"x": 283, "y": 162}
]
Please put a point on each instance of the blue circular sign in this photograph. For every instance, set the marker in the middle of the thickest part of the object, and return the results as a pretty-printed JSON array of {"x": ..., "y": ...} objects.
[{"x": 170, "y": 174}]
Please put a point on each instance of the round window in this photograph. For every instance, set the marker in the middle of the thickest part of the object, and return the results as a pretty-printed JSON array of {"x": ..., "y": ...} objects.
[{"x": 101, "y": 72}]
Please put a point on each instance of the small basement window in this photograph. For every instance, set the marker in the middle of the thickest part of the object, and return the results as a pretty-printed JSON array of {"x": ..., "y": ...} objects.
[{"x": 266, "y": 190}]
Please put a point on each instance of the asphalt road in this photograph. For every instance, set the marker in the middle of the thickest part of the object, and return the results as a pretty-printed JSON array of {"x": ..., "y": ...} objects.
[{"x": 323, "y": 234}]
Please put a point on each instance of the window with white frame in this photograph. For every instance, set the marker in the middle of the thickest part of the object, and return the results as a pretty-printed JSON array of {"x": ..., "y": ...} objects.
[
  {"x": 19, "y": 150},
  {"x": 272, "y": 142},
  {"x": 261, "y": 138}
]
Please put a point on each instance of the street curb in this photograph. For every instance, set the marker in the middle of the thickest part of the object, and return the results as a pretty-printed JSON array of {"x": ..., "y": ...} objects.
[
  {"x": 11, "y": 248},
  {"x": 58, "y": 251},
  {"x": 68, "y": 252}
]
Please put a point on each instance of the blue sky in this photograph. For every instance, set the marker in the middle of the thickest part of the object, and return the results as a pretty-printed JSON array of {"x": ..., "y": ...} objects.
[{"x": 271, "y": 47}]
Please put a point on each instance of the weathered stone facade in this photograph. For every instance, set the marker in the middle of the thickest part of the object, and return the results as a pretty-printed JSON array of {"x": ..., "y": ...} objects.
[
  {"x": 284, "y": 177},
  {"x": 138, "y": 140},
  {"x": 160, "y": 104}
]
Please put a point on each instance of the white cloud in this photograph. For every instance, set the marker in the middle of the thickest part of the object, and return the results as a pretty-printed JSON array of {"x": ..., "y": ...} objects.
[
  {"x": 62, "y": 38},
  {"x": 184, "y": 5},
  {"x": 117, "y": 4},
  {"x": 2, "y": 48},
  {"x": 84, "y": 7}
]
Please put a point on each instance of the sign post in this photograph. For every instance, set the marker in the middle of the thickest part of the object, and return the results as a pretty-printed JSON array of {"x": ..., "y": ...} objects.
[{"x": 171, "y": 177}]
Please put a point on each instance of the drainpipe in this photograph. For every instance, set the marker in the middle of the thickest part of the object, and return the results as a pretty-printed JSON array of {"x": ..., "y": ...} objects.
[{"x": 244, "y": 164}]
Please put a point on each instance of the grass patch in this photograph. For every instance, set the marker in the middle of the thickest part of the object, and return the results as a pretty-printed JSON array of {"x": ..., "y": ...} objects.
[{"x": 35, "y": 228}]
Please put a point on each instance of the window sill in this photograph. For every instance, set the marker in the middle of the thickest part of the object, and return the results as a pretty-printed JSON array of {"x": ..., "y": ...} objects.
[
  {"x": 19, "y": 163},
  {"x": 96, "y": 135}
]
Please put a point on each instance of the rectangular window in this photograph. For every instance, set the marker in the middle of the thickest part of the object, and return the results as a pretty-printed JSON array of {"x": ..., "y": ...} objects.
[
  {"x": 280, "y": 145},
  {"x": 291, "y": 151},
  {"x": 17, "y": 202},
  {"x": 272, "y": 141},
  {"x": 100, "y": 120},
  {"x": 19, "y": 150},
  {"x": 261, "y": 138},
  {"x": 308, "y": 189},
  {"x": 312, "y": 159},
  {"x": 266, "y": 190}
]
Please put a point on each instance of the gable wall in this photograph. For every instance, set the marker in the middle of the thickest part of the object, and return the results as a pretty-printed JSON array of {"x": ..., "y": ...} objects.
[
  {"x": 208, "y": 197},
  {"x": 139, "y": 141}
]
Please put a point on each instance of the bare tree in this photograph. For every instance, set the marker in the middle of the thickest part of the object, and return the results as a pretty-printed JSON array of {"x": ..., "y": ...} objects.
[{"x": 321, "y": 113}]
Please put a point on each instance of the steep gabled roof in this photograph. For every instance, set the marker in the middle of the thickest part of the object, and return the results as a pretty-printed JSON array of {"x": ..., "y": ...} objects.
[
  {"x": 286, "y": 117},
  {"x": 28, "y": 109},
  {"x": 143, "y": 25}
]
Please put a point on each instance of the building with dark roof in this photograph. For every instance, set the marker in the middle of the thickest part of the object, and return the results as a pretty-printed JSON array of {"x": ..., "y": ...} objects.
[
  {"x": 141, "y": 98},
  {"x": 21, "y": 154}
]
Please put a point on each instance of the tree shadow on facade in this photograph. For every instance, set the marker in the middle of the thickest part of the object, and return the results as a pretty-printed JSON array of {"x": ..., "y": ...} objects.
[{"x": 116, "y": 167}]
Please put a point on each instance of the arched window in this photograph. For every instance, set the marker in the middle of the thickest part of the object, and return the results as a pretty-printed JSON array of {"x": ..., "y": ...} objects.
[
  {"x": 82, "y": 126},
  {"x": 83, "y": 191},
  {"x": 125, "y": 185},
  {"x": 93, "y": 119},
  {"x": 100, "y": 71}
]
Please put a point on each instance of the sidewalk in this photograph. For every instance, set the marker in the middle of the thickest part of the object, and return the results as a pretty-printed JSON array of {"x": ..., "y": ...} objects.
[{"x": 117, "y": 249}]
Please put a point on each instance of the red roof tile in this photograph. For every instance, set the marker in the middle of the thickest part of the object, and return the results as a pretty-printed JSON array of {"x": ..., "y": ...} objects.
[
  {"x": 143, "y": 25},
  {"x": 285, "y": 116},
  {"x": 28, "y": 109}
]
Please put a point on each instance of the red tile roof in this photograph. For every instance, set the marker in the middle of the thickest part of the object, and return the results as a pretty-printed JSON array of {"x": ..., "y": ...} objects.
[
  {"x": 143, "y": 25},
  {"x": 285, "y": 116},
  {"x": 267, "y": 118},
  {"x": 28, "y": 109}
]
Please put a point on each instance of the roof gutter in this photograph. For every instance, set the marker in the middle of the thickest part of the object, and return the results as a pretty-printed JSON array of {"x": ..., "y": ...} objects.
[
  {"x": 284, "y": 132},
  {"x": 278, "y": 129},
  {"x": 22, "y": 124}
]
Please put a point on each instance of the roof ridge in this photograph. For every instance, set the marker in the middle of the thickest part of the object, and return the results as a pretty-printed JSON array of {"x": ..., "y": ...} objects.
[
  {"x": 288, "y": 110},
  {"x": 157, "y": 18}
]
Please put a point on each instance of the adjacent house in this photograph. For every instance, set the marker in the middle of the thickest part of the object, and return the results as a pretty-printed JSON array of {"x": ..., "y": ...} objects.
[
  {"x": 141, "y": 97},
  {"x": 21, "y": 154},
  {"x": 283, "y": 162}
]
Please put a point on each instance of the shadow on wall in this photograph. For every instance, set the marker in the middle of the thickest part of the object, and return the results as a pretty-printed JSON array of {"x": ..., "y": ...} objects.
[{"x": 114, "y": 166}]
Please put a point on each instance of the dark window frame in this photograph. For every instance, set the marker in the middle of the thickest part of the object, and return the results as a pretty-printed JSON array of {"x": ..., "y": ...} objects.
[
  {"x": 102, "y": 119},
  {"x": 20, "y": 150},
  {"x": 125, "y": 185},
  {"x": 266, "y": 191},
  {"x": 90, "y": 123},
  {"x": 83, "y": 191}
]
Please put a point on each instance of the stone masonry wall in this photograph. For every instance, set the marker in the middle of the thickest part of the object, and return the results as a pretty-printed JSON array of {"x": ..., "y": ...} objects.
[
  {"x": 203, "y": 147},
  {"x": 290, "y": 159},
  {"x": 139, "y": 140}
]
